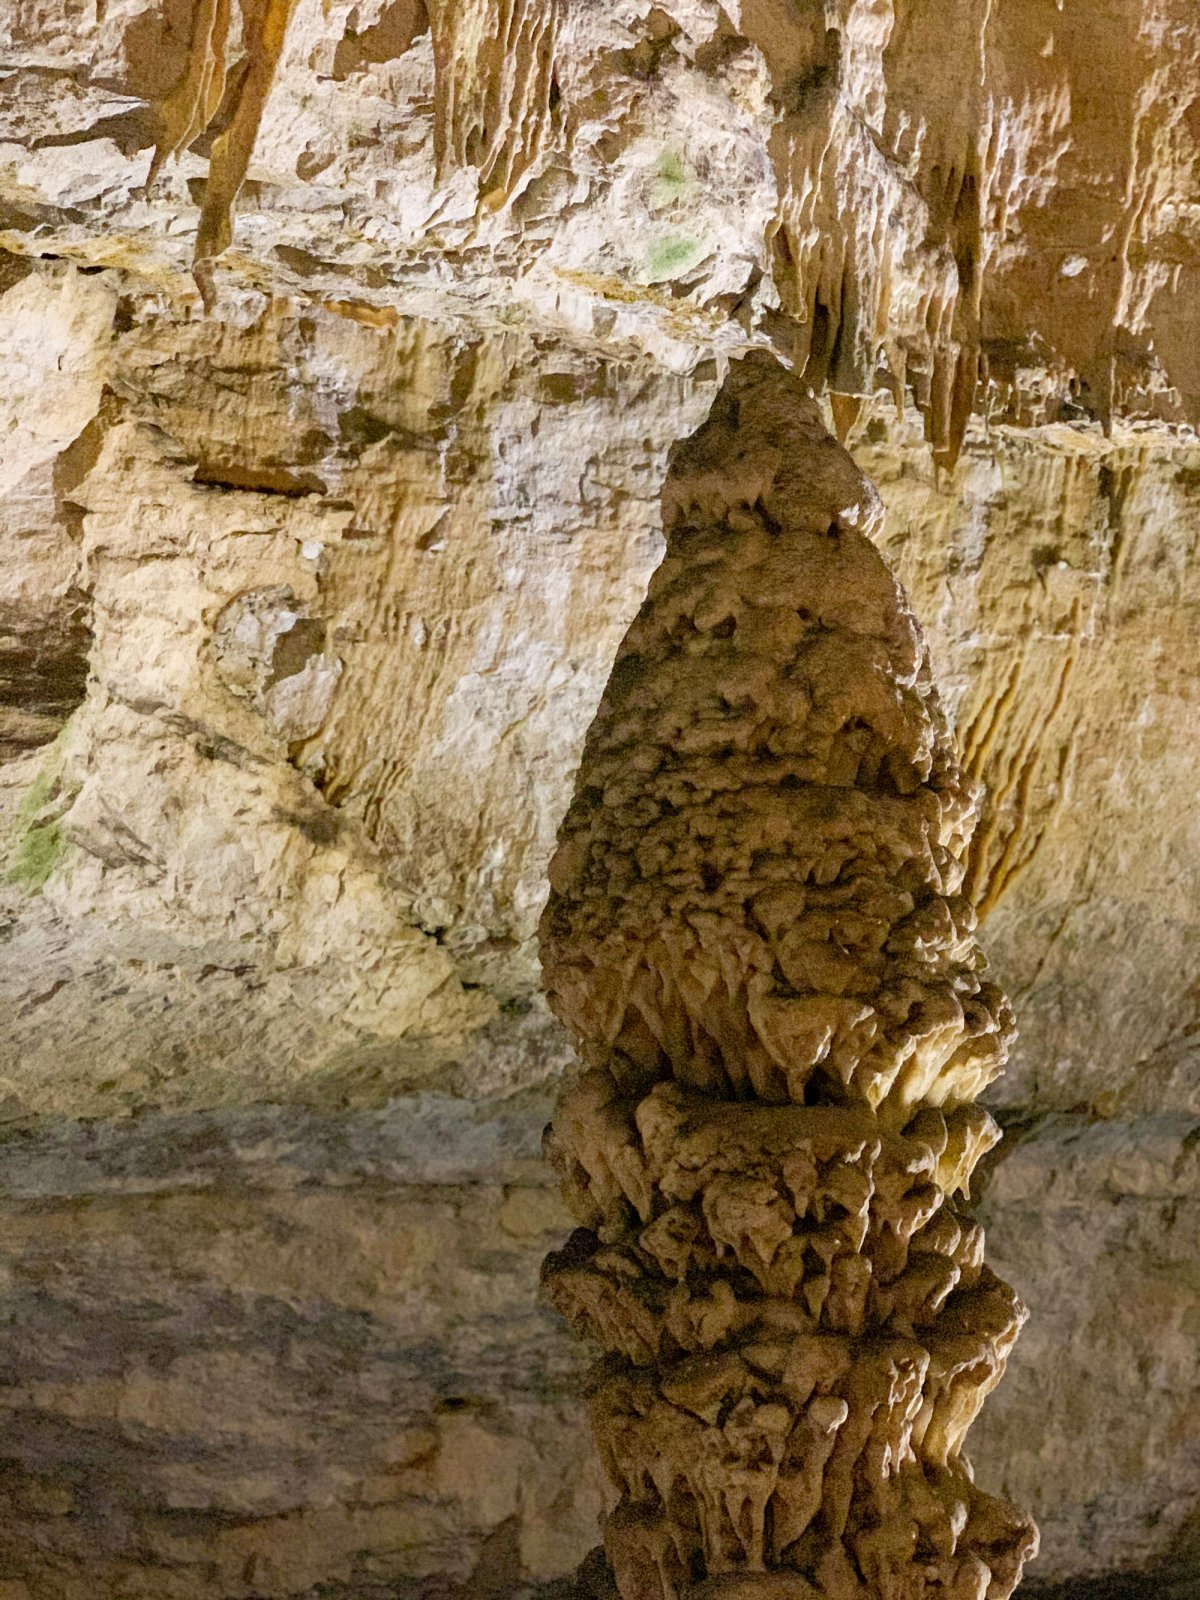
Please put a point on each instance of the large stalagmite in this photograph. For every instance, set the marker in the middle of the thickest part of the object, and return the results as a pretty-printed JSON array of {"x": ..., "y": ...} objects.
[{"x": 758, "y": 938}]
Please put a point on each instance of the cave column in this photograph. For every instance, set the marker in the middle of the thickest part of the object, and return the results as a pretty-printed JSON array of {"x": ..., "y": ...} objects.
[{"x": 757, "y": 937}]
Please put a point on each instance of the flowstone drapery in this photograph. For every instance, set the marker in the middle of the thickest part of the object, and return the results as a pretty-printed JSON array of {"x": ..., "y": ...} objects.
[{"x": 757, "y": 937}]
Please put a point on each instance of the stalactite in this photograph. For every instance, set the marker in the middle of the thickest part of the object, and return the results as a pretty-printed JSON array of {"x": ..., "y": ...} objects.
[
  {"x": 233, "y": 148},
  {"x": 191, "y": 105},
  {"x": 188, "y": 110},
  {"x": 833, "y": 240},
  {"x": 757, "y": 936}
]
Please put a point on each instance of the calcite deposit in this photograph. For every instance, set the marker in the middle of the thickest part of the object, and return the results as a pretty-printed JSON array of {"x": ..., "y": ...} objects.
[{"x": 756, "y": 933}]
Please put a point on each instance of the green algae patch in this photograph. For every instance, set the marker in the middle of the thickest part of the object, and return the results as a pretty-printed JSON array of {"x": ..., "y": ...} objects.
[
  {"x": 39, "y": 844},
  {"x": 37, "y": 794},
  {"x": 670, "y": 257},
  {"x": 38, "y": 853},
  {"x": 671, "y": 180}
]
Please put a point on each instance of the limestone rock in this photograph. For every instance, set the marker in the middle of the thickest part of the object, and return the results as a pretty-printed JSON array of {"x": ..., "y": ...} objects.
[
  {"x": 875, "y": 187},
  {"x": 415, "y": 1416},
  {"x": 752, "y": 934},
  {"x": 225, "y": 817},
  {"x": 393, "y": 483},
  {"x": 757, "y": 884},
  {"x": 465, "y": 313}
]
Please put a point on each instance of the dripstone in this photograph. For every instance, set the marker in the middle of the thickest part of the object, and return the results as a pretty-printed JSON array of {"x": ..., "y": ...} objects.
[{"x": 757, "y": 937}]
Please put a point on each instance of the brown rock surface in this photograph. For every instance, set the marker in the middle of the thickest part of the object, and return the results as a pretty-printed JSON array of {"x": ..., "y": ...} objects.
[
  {"x": 756, "y": 935},
  {"x": 876, "y": 185},
  {"x": 315, "y": 1339},
  {"x": 1041, "y": 543}
]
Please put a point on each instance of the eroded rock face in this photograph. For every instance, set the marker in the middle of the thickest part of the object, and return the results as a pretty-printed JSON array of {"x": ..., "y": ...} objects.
[
  {"x": 757, "y": 937},
  {"x": 883, "y": 190},
  {"x": 284, "y": 1354},
  {"x": 488, "y": 516}
]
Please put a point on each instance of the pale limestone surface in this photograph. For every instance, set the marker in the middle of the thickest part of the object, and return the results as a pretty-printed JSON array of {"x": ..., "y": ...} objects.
[
  {"x": 128, "y": 988},
  {"x": 1052, "y": 574},
  {"x": 872, "y": 184}
]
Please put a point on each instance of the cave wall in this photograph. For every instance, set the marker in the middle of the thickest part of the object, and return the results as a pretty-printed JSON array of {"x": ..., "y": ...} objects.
[
  {"x": 327, "y": 610},
  {"x": 276, "y": 1062},
  {"x": 280, "y": 1352}
]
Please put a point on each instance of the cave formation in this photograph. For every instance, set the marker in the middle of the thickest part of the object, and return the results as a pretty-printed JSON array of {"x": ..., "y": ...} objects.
[
  {"x": 345, "y": 346},
  {"x": 758, "y": 938}
]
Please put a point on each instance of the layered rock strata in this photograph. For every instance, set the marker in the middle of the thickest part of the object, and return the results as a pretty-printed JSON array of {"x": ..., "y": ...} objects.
[{"x": 757, "y": 937}]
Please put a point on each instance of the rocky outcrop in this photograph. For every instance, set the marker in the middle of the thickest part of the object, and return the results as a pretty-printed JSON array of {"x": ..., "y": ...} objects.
[
  {"x": 497, "y": 567},
  {"x": 995, "y": 202},
  {"x": 755, "y": 934}
]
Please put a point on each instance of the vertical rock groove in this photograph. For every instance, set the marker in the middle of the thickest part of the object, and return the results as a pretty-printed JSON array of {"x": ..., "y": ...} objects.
[
  {"x": 494, "y": 102},
  {"x": 757, "y": 936}
]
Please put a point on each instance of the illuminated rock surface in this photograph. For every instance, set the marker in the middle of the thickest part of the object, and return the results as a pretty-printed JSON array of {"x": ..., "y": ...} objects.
[
  {"x": 755, "y": 934},
  {"x": 306, "y": 606}
]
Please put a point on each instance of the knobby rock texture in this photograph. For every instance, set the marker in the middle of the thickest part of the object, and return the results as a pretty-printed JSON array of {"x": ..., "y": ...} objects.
[{"x": 757, "y": 934}]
